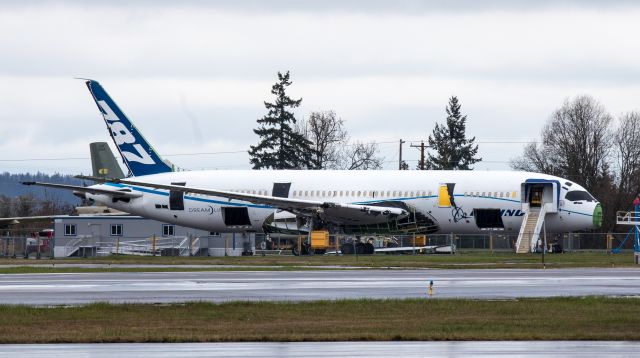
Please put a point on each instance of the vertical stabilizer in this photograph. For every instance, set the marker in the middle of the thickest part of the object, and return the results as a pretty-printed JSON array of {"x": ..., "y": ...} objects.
[
  {"x": 103, "y": 162},
  {"x": 137, "y": 154}
]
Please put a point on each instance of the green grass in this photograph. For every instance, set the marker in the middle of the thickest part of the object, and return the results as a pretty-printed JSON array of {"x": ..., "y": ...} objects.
[
  {"x": 467, "y": 259},
  {"x": 25, "y": 269},
  {"x": 591, "y": 318}
]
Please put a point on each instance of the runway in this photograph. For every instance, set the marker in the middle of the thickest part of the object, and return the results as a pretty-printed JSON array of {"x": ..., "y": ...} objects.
[
  {"x": 329, "y": 349},
  {"x": 220, "y": 286}
]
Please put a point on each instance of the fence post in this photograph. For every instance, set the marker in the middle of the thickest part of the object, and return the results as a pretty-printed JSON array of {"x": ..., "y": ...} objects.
[
  {"x": 118, "y": 245},
  {"x": 491, "y": 241},
  {"x": 414, "y": 243},
  {"x": 153, "y": 245}
]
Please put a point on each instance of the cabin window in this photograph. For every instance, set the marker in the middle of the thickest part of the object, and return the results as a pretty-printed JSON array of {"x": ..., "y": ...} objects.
[
  {"x": 294, "y": 193},
  {"x": 323, "y": 194},
  {"x": 116, "y": 229},
  {"x": 168, "y": 230},
  {"x": 430, "y": 193},
  {"x": 306, "y": 193},
  {"x": 70, "y": 230},
  {"x": 513, "y": 194}
]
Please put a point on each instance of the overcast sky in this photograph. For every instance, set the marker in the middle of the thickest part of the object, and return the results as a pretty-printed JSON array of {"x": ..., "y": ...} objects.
[{"x": 193, "y": 77}]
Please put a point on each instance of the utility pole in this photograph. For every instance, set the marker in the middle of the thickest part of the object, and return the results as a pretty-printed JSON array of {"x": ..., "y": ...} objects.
[
  {"x": 422, "y": 147},
  {"x": 400, "y": 155}
]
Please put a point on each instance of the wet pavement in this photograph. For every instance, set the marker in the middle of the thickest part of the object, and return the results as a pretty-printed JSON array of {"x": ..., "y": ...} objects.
[
  {"x": 219, "y": 286},
  {"x": 330, "y": 349}
]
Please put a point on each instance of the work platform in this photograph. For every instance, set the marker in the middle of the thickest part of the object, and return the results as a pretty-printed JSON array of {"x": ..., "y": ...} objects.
[{"x": 630, "y": 218}]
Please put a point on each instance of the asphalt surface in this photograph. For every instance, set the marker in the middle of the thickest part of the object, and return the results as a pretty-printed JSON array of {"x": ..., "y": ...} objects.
[
  {"x": 330, "y": 349},
  {"x": 219, "y": 286}
]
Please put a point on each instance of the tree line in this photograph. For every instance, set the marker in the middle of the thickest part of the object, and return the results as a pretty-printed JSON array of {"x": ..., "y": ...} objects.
[{"x": 322, "y": 142}]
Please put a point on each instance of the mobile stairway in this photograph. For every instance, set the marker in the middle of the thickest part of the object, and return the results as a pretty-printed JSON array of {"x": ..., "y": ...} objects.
[{"x": 530, "y": 230}]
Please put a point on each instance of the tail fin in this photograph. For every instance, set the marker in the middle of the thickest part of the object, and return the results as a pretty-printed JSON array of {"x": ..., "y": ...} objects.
[
  {"x": 137, "y": 154},
  {"x": 103, "y": 162}
]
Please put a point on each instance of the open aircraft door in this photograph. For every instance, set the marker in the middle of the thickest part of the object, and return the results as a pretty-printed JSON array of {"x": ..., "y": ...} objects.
[{"x": 541, "y": 192}]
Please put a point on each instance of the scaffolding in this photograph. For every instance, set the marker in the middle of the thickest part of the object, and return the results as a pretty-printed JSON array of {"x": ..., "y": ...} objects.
[{"x": 629, "y": 218}]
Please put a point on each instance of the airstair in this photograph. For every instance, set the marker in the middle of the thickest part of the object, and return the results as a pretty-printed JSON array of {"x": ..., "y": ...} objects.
[{"x": 530, "y": 230}]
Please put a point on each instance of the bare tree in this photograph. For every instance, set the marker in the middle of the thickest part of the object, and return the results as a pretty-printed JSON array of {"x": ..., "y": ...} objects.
[
  {"x": 332, "y": 147},
  {"x": 362, "y": 156},
  {"x": 575, "y": 143},
  {"x": 24, "y": 205},
  {"x": 536, "y": 158},
  {"x": 326, "y": 131},
  {"x": 627, "y": 146},
  {"x": 5, "y": 206}
]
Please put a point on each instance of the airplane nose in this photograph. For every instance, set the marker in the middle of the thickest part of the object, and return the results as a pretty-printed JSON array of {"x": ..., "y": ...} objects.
[{"x": 597, "y": 216}]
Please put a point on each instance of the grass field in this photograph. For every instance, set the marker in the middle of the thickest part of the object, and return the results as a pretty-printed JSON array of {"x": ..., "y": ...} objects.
[
  {"x": 589, "y": 318},
  {"x": 460, "y": 260}
]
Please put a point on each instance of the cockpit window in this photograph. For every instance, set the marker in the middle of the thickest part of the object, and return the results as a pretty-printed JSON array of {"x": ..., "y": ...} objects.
[{"x": 577, "y": 195}]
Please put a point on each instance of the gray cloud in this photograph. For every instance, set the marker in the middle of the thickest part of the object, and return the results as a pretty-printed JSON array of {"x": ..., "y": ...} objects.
[{"x": 387, "y": 68}]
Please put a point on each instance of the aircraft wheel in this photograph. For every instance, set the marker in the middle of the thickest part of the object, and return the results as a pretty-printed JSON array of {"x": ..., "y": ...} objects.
[
  {"x": 369, "y": 249},
  {"x": 361, "y": 249},
  {"x": 294, "y": 250},
  {"x": 309, "y": 250},
  {"x": 347, "y": 249}
]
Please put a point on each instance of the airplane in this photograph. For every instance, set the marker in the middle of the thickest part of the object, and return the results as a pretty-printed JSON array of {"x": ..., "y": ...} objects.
[{"x": 349, "y": 202}]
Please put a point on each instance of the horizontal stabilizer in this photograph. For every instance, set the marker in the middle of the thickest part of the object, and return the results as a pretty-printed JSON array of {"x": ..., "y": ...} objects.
[{"x": 122, "y": 193}]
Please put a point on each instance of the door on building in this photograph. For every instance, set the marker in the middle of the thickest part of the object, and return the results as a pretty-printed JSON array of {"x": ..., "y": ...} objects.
[{"x": 96, "y": 232}]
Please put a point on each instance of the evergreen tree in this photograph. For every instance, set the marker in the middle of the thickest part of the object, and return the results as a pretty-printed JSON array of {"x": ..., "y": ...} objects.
[
  {"x": 280, "y": 146},
  {"x": 453, "y": 150}
]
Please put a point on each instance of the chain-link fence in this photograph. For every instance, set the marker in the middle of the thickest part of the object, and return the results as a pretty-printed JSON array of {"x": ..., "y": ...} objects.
[
  {"x": 26, "y": 243},
  {"x": 41, "y": 244},
  {"x": 442, "y": 243}
]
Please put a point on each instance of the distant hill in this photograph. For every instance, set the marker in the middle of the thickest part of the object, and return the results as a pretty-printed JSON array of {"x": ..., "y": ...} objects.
[{"x": 10, "y": 186}]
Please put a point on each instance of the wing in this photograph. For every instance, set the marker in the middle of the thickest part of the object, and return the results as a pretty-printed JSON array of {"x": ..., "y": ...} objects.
[
  {"x": 125, "y": 193},
  {"x": 5, "y": 222},
  {"x": 335, "y": 212}
]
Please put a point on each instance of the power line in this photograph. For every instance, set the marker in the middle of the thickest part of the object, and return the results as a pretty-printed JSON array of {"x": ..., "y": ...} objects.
[{"x": 235, "y": 151}]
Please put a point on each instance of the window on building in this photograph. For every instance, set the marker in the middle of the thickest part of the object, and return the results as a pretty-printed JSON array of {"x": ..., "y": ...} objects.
[
  {"x": 116, "y": 229},
  {"x": 214, "y": 233},
  {"x": 168, "y": 230},
  {"x": 70, "y": 230}
]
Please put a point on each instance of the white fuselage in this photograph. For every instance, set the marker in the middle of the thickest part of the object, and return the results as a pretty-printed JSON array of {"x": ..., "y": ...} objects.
[{"x": 422, "y": 190}]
